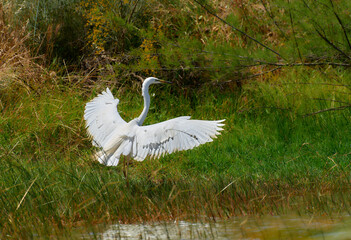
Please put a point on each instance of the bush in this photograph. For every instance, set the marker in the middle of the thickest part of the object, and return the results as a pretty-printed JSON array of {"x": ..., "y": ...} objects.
[
  {"x": 55, "y": 27},
  {"x": 183, "y": 41},
  {"x": 18, "y": 71}
]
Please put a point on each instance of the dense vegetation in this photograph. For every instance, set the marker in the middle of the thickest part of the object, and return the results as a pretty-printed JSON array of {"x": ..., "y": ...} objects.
[{"x": 277, "y": 71}]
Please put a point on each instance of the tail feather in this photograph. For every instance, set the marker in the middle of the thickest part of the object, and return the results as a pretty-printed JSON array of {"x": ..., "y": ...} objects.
[{"x": 107, "y": 159}]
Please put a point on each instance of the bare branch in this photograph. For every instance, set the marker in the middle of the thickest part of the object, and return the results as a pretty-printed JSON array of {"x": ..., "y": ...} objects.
[
  {"x": 237, "y": 29},
  {"x": 246, "y": 77},
  {"x": 317, "y": 83},
  {"x": 305, "y": 64},
  {"x": 272, "y": 17},
  {"x": 330, "y": 43},
  {"x": 341, "y": 24},
  {"x": 331, "y": 100},
  {"x": 327, "y": 110},
  {"x": 293, "y": 31}
]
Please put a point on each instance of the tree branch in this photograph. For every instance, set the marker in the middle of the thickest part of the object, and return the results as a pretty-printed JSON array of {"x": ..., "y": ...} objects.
[
  {"x": 272, "y": 17},
  {"x": 327, "y": 110},
  {"x": 341, "y": 24},
  {"x": 330, "y": 43},
  {"x": 305, "y": 64},
  {"x": 237, "y": 29},
  {"x": 293, "y": 31}
]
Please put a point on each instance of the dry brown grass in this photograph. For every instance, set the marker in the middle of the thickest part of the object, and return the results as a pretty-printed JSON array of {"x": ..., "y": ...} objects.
[{"x": 18, "y": 68}]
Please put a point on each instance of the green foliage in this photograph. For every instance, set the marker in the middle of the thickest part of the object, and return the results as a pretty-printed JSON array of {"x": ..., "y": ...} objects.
[
  {"x": 191, "y": 45},
  {"x": 181, "y": 40},
  {"x": 269, "y": 151},
  {"x": 56, "y": 28},
  {"x": 318, "y": 29},
  {"x": 286, "y": 133},
  {"x": 303, "y": 92},
  {"x": 113, "y": 26}
]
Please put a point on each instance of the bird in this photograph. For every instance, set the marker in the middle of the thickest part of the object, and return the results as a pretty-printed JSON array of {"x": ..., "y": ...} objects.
[{"x": 116, "y": 138}]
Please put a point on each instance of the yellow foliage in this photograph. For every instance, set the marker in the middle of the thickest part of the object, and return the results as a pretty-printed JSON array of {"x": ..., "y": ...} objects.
[
  {"x": 149, "y": 56},
  {"x": 93, "y": 11}
]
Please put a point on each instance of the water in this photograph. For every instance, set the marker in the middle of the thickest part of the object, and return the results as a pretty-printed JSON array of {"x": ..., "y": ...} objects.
[{"x": 268, "y": 227}]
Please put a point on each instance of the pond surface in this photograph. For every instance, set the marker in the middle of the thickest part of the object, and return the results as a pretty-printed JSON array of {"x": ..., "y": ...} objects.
[{"x": 267, "y": 227}]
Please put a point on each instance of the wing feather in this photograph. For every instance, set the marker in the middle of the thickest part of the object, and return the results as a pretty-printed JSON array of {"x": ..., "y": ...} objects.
[
  {"x": 116, "y": 137},
  {"x": 176, "y": 134},
  {"x": 102, "y": 117}
]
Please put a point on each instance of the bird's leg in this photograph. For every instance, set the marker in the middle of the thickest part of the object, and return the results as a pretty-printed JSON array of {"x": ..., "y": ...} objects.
[
  {"x": 124, "y": 166},
  {"x": 125, "y": 169}
]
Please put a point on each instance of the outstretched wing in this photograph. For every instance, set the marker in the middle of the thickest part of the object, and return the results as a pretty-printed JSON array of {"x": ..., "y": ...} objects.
[
  {"x": 102, "y": 117},
  {"x": 173, "y": 135}
]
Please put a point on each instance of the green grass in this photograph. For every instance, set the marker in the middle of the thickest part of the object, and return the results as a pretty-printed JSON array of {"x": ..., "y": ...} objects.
[
  {"x": 271, "y": 158},
  {"x": 286, "y": 143}
]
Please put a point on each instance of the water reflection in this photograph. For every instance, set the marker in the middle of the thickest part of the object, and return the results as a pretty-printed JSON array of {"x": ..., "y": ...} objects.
[{"x": 287, "y": 227}]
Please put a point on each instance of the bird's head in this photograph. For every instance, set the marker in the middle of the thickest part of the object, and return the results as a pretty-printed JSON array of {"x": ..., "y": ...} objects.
[{"x": 152, "y": 80}]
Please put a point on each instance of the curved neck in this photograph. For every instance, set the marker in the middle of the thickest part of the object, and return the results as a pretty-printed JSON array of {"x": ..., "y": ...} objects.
[{"x": 143, "y": 114}]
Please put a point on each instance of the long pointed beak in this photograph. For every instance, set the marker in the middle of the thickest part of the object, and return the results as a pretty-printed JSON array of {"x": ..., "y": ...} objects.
[{"x": 163, "y": 81}]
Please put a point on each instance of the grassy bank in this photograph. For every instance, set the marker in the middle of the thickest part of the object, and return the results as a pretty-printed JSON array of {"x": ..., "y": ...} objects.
[
  {"x": 285, "y": 96},
  {"x": 273, "y": 157}
]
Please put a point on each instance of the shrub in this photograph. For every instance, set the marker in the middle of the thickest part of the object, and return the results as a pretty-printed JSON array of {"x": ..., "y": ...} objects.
[
  {"x": 18, "y": 70},
  {"x": 56, "y": 28}
]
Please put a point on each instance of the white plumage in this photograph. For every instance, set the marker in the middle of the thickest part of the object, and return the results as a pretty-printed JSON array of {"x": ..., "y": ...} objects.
[{"x": 116, "y": 137}]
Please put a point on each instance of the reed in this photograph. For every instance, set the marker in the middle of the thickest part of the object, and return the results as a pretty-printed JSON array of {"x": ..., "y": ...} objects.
[
  {"x": 285, "y": 148},
  {"x": 271, "y": 159}
]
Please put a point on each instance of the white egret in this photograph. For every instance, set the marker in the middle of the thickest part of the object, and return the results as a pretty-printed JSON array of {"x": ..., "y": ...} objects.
[{"x": 116, "y": 137}]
